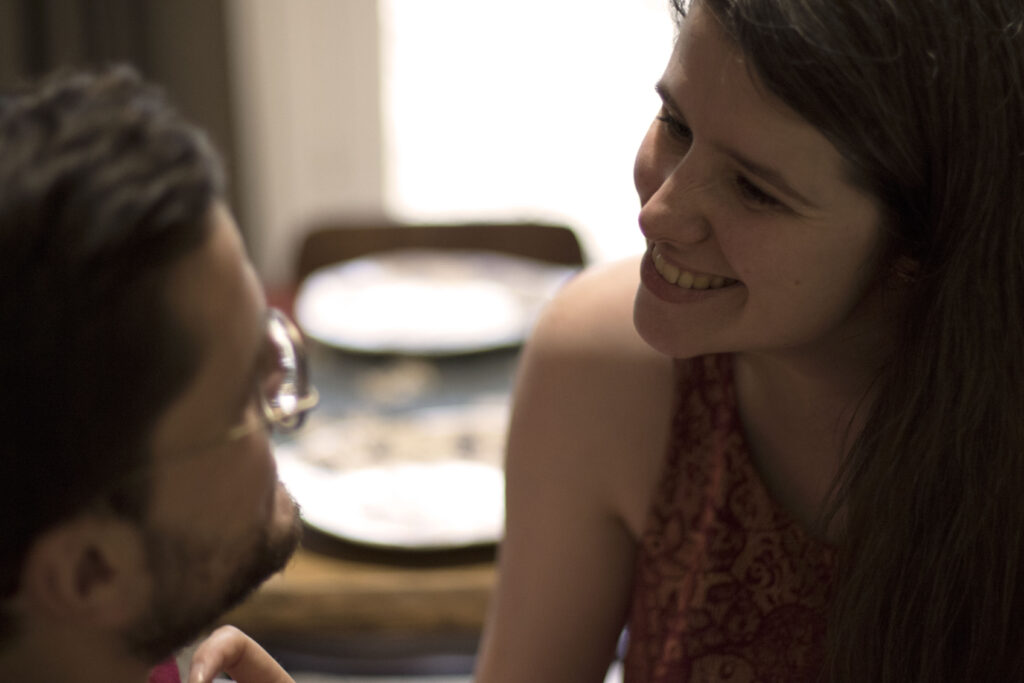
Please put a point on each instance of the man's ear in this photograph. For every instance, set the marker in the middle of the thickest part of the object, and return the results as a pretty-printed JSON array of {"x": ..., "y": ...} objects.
[{"x": 90, "y": 570}]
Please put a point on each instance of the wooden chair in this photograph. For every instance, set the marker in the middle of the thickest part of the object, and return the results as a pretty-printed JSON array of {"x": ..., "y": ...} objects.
[{"x": 325, "y": 244}]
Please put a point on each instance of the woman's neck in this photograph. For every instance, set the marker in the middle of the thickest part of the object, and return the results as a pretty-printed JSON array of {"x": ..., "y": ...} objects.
[{"x": 801, "y": 413}]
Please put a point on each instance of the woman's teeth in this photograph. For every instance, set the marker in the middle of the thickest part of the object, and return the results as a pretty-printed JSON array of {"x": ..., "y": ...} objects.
[{"x": 687, "y": 280}]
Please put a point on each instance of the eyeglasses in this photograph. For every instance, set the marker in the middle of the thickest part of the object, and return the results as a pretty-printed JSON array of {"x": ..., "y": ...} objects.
[{"x": 284, "y": 393}]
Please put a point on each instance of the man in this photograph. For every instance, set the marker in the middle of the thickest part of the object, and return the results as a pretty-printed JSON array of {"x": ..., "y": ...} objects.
[{"x": 141, "y": 369}]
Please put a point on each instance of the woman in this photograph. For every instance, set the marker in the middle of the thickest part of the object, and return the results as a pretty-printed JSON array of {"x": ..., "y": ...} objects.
[{"x": 787, "y": 444}]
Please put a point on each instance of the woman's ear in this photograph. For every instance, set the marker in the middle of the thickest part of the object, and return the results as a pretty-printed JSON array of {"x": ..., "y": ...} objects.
[{"x": 90, "y": 570}]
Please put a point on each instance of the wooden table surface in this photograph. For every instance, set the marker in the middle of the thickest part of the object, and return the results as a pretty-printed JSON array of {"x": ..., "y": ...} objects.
[{"x": 333, "y": 592}]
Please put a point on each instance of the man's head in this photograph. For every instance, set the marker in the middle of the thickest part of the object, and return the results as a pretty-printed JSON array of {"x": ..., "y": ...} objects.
[{"x": 132, "y": 343}]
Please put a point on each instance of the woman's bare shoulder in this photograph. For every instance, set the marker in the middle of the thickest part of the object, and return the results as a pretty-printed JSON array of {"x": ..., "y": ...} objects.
[
  {"x": 582, "y": 456},
  {"x": 591, "y": 383},
  {"x": 594, "y": 313}
]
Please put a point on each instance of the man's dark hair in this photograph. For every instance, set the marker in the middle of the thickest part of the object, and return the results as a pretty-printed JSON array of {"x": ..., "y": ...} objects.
[{"x": 103, "y": 188}]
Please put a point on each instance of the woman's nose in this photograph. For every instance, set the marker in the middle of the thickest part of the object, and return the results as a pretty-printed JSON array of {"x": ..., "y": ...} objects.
[{"x": 673, "y": 190}]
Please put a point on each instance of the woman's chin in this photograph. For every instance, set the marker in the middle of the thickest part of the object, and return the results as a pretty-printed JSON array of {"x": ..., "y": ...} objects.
[{"x": 653, "y": 328}]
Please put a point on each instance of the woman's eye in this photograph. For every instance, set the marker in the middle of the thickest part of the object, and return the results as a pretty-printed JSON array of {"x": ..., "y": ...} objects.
[
  {"x": 675, "y": 127},
  {"x": 754, "y": 194}
]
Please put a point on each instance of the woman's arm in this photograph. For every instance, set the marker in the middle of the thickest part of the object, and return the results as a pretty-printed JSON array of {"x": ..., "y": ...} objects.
[{"x": 583, "y": 453}]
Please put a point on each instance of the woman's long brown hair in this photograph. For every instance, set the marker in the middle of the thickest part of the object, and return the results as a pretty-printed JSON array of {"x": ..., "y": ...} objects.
[{"x": 925, "y": 100}]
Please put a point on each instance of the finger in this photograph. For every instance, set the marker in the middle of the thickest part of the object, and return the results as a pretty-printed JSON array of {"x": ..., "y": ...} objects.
[{"x": 231, "y": 651}]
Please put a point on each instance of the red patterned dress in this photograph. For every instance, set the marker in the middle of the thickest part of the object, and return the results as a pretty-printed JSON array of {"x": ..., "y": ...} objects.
[{"x": 728, "y": 587}]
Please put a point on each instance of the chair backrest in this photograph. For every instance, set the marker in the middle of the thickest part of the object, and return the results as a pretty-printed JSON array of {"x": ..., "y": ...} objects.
[{"x": 326, "y": 244}]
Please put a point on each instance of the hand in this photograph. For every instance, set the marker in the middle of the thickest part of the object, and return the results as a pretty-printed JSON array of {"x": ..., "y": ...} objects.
[{"x": 236, "y": 654}]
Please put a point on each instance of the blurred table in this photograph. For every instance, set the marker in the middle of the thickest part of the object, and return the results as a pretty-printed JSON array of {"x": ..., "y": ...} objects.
[{"x": 344, "y": 599}]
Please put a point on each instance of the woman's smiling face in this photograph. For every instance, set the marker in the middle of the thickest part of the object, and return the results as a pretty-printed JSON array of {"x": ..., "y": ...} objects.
[{"x": 757, "y": 239}]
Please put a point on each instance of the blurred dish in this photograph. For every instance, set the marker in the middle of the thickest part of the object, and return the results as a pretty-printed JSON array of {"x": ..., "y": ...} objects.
[
  {"x": 426, "y": 479},
  {"x": 427, "y": 302}
]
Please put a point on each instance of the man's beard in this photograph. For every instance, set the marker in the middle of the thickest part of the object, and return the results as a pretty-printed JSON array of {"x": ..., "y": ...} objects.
[{"x": 182, "y": 606}]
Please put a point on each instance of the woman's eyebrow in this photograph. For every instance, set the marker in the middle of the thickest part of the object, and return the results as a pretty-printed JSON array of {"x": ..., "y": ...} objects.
[
  {"x": 767, "y": 173},
  {"x": 770, "y": 175}
]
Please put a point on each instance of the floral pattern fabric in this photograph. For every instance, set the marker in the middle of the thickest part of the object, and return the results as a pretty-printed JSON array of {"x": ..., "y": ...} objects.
[
  {"x": 728, "y": 587},
  {"x": 165, "y": 672}
]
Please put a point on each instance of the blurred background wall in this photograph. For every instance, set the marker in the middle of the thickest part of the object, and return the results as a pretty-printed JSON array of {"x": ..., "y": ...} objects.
[
  {"x": 420, "y": 110},
  {"x": 179, "y": 43}
]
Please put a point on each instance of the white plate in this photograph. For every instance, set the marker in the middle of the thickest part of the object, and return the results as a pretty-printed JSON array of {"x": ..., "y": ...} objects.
[
  {"x": 426, "y": 302},
  {"x": 428, "y": 479}
]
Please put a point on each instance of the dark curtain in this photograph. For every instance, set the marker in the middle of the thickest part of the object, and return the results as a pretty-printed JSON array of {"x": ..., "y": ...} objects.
[{"x": 180, "y": 44}]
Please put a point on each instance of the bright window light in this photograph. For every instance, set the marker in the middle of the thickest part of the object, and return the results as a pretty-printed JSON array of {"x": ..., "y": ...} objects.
[{"x": 528, "y": 110}]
